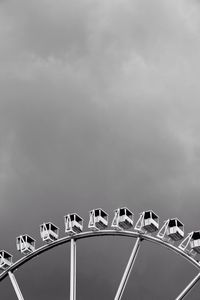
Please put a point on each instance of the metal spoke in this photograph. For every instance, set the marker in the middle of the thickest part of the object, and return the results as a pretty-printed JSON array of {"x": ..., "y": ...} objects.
[
  {"x": 73, "y": 270},
  {"x": 128, "y": 269},
  {"x": 188, "y": 287},
  {"x": 15, "y": 286}
]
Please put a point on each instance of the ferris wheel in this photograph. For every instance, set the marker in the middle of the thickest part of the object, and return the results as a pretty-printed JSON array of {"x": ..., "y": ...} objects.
[{"x": 146, "y": 229}]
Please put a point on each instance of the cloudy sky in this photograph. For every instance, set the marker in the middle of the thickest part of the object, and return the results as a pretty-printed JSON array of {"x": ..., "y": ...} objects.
[{"x": 99, "y": 107}]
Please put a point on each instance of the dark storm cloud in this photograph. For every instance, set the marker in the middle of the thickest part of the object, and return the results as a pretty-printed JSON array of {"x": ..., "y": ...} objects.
[{"x": 99, "y": 107}]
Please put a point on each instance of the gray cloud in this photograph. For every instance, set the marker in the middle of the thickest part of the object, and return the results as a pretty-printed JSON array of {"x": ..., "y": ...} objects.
[{"x": 99, "y": 107}]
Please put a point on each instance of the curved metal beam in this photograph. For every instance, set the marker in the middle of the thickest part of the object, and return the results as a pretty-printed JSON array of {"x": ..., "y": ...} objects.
[{"x": 90, "y": 234}]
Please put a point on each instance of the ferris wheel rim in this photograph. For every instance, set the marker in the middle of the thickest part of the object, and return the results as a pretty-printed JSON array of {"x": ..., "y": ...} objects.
[{"x": 90, "y": 234}]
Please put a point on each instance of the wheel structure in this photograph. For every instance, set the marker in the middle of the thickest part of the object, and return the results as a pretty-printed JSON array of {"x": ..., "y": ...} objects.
[{"x": 146, "y": 229}]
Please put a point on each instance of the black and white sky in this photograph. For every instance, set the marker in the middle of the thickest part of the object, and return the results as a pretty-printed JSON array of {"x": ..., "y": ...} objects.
[{"x": 99, "y": 107}]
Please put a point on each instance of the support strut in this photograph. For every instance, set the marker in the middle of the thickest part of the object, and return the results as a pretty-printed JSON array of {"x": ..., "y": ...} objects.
[
  {"x": 15, "y": 286},
  {"x": 73, "y": 270},
  {"x": 188, "y": 287},
  {"x": 128, "y": 269}
]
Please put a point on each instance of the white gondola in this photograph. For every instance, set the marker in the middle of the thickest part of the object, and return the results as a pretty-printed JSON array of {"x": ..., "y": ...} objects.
[
  {"x": 195, "y": 241},
  {"x": 173, "y": 229},
  {"x": 5, "y": 260},
  {"x": 147, "y": 222},
  {"x": 191, "y": 244},
  {"x": 49, "y": 232},
  {"x": 25, "y": 244},
  {"x": 73, "y": 224},
  {"x": 123, "y": 219},
  {"x": 98, "y": 219}
]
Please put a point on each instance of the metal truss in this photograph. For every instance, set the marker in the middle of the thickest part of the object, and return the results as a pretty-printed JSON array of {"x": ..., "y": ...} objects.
[{"x": 72, "y": 239}]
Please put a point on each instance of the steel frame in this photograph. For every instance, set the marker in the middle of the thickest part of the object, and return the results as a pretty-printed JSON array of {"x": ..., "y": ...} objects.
[{"x": 82, "y": 235}]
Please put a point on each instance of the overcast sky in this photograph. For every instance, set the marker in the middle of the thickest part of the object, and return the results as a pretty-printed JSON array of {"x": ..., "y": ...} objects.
[{"x": 99, "y": 107}]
